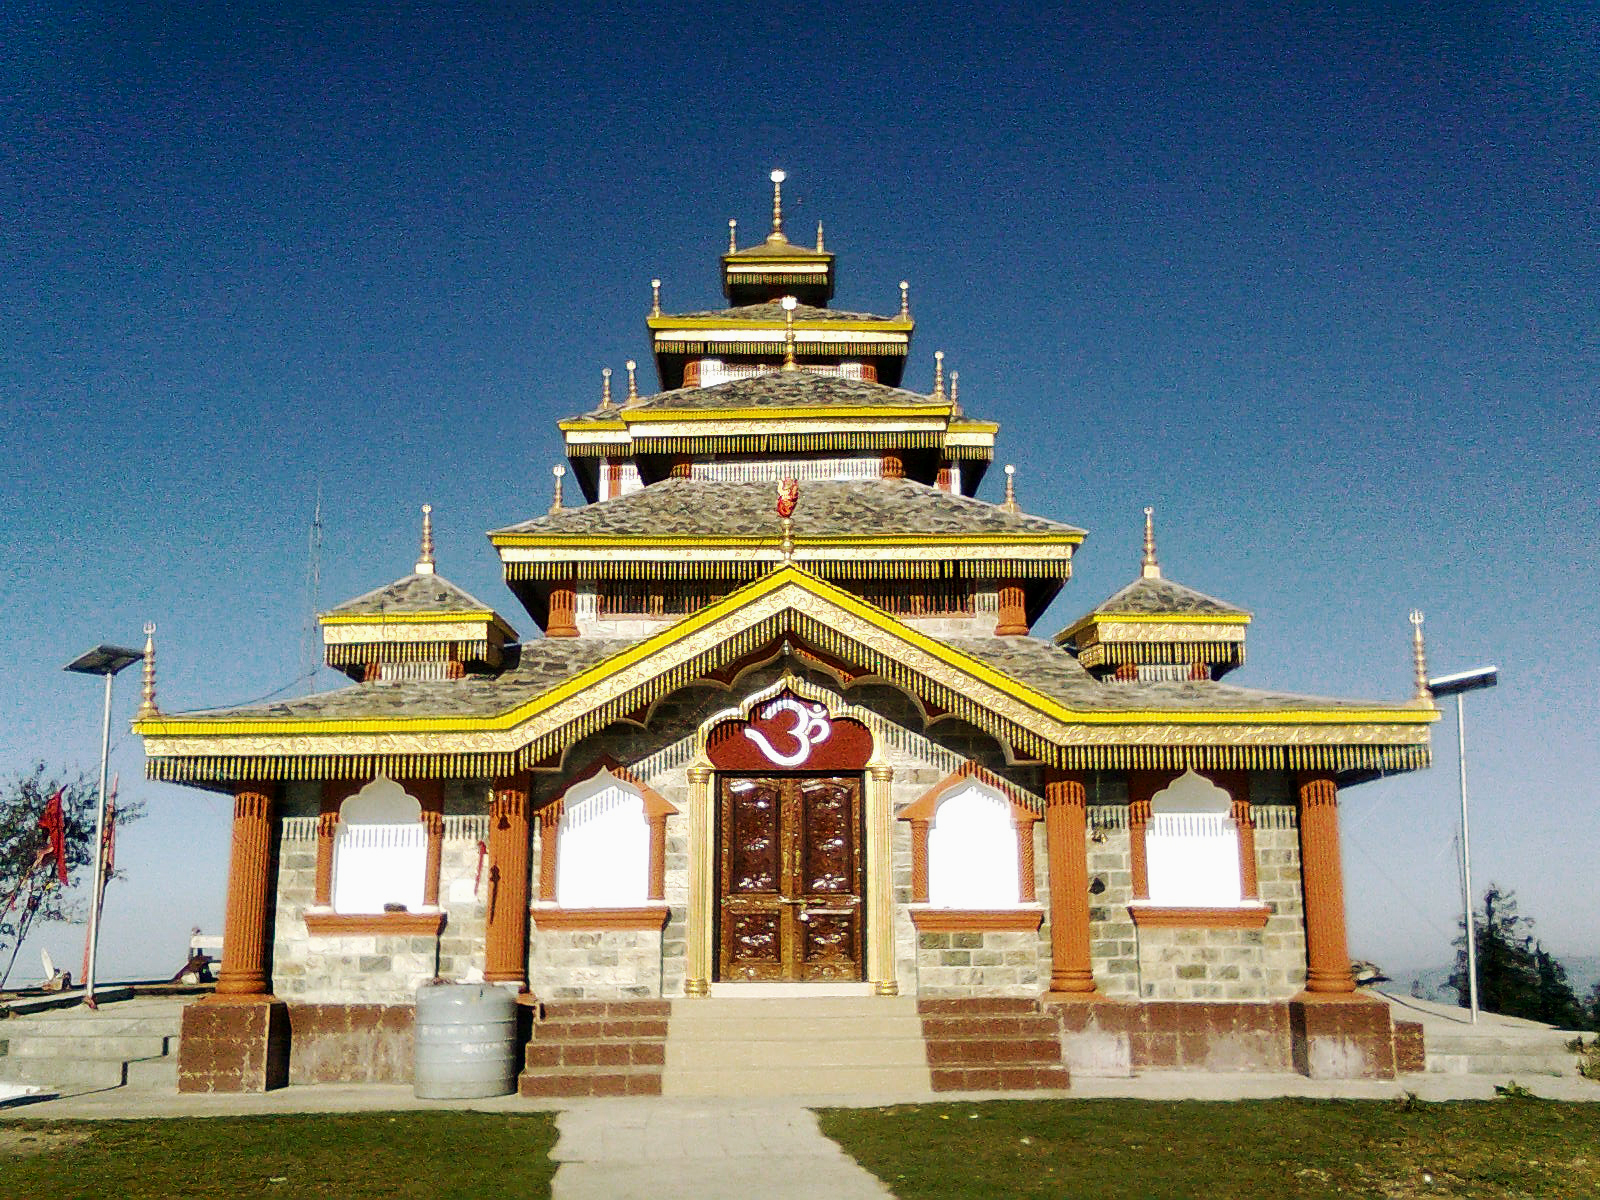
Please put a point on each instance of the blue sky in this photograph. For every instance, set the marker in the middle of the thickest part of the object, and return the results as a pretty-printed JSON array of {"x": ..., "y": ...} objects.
[{"x": 1318, "y": 285}]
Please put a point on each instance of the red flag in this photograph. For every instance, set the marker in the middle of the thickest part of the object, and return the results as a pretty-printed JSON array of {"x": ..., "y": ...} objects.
[{"x": 55, "y": 824}]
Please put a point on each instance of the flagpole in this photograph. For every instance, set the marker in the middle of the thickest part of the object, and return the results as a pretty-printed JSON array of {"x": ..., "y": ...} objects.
[{"x": 99, "y": 850}]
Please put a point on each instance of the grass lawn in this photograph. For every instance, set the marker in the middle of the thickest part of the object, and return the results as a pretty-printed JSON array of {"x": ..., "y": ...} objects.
[
  {"x": 481, "y": 1155},
  {"x": 1110, "y": 1149}
]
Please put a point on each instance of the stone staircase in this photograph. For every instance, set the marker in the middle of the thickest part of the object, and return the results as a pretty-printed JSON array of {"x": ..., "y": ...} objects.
[
  {"x": 1496, "y": 1045},
  {"x": 1523, "y": 1052},
  {"x": 130, "y": 1043},
  {"x": 817, "y": 1046},
  {"x": 596, "y": 1048},
  {"x": 992, "y": 1044}
]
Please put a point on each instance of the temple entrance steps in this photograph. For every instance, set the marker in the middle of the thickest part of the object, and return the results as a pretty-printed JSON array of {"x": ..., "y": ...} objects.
[
  {"x": 812, "y": 1046},
  {"x": 992, "y": 1045},
  {"x": 1496, "y": 1045},
  {"x": 596, "y": 1048},
  {"x": 1532, "y": 1052},
  {"x": 130, "y": 1043}
]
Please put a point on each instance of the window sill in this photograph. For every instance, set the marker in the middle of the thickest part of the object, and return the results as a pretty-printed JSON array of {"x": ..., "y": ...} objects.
[
  {"x": 399, "y": 924},
  {"x": 651, "y": 916},
  {"x": 1162, "y": 916},
  {"x": 976, "y": 920}
]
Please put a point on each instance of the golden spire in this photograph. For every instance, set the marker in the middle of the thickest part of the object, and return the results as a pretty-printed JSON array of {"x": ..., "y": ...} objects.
[
  {"x": 425, "y": 558},
  {"x": 733, "y": 237},
  {"x": 655, "y": 297},
  {"x": 777, "y": 208},
  {"x": 1149, "y": 568},
  {"x": 905, "y": 300},
  {"x": 558, "y": 471},
  {"x": 147, "y": 706},
  {"x": 820, "y": 249},
  {"x": 789, "y": 363},
  {"x": 633, "y": 384},
  {"x": 1419, "y": 660},
  {"x": 605, "y": 387},
  {"x": 955, "y": 392},
  {"x": 938, "y": 374},
  {"x": 1010, "y": 504}
]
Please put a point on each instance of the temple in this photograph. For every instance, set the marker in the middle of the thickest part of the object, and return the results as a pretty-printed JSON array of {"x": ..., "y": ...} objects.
[{"x": 788, "y": 733}]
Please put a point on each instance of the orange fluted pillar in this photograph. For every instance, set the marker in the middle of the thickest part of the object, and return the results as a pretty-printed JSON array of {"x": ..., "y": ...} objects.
[
  {"x": 1013, "y": 611},
  {"x": 430, "y": 793},
  {"x": 1322, "y": 881},
  {"x": 244, "y": 950},
  {"x": 1066, "y": 836},
  {"x": 505, "y": 958}
]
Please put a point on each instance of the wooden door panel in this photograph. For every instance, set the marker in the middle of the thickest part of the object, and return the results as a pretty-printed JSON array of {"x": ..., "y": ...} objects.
[
  {"x": 829, "y": 879},
  {"x": 789, "y": 876},
  {"x": 753, "y": 918}
]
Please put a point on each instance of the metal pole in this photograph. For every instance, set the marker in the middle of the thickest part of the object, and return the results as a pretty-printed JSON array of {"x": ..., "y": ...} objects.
[
  {"x": 99, "y": 849},
  {"x": 1466, "y": 859}
]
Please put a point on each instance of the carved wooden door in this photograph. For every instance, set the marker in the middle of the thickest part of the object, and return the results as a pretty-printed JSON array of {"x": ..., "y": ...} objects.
[{"x": 789, "y": 900}]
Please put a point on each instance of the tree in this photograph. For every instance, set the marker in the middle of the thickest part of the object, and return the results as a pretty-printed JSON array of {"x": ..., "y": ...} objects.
[
  {"x": 1516, "y": 977},
  {"x": 30, "y": 886}
]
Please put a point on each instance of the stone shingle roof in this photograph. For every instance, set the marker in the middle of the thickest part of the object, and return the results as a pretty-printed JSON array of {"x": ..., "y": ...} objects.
[
  {"x": 413, "y": 594},
  {"x": 772, "y": 310},
  {"x": 1157, "y": 597},
  {"x": 1056, "y": 673},
  {"x": 538, "y": 666},
  {"x": 777, "y": 389},
  {"x": 833, "y": 508}
]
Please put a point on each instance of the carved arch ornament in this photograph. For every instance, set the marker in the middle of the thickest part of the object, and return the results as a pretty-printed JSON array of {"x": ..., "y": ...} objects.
[{"x": 832, "y": 704}]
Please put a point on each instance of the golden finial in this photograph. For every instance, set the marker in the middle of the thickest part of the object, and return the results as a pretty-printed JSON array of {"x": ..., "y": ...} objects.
[
  {"x": 1010, "y": 504},
  {"x": 425, "y": 558},
  {"x": 1419, "y": 659},
  {"x": 633, "y": 383},
  {"x": 955, "y": 392},
  {"x": 777, "y": 208},
  {"x": 655, "y": 297},
  {"x": 605, "y": 387},
  {"x": 733, "y": 237},
  {"x": 820, "y": 250},
  {"x": 147, "y": 706},
  {"x": 938, "y": 374},
  {"x": 789, "y": 363},
  {"x": 555, "y": 503},
  {"x": 905, "y": 300},
  {"x": 1150, "y": 568}
]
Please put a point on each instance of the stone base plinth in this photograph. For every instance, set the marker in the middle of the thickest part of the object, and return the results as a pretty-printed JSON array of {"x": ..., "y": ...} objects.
[
  {"x": 234, "y": 1044},
  {"x": 352, "y": 1043},
  {"x": 1342, "y": 1036},
  {"x": 1114, "y": 1037}
]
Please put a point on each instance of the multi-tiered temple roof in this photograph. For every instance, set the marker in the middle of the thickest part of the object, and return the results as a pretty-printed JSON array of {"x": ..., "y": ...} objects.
[{"x": 680, "y": 567}]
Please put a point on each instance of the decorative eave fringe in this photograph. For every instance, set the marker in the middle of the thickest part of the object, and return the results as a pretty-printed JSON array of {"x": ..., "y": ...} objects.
[
  {"x": 344, "y": 654},
  {"x": 782, "y": 443},
  {"x": 1340, "y": 759},
  {"x": 602, "y": 568},
  {"x": 1162, "y": 653},
  {"x": 875, "y": 348}
]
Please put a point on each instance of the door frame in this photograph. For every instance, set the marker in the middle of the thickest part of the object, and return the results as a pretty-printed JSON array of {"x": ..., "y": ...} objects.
[{"x": 877, "y": 816}]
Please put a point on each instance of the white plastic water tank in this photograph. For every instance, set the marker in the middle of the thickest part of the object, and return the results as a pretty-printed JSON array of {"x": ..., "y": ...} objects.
[{"x": 466, "y": 1037}]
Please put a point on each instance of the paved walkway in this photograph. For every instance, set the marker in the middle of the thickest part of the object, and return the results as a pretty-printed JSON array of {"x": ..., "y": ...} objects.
[{"x": 709, "y": 1149}]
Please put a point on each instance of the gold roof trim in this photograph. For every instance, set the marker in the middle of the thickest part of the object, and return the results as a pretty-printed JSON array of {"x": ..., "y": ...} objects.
[{"x": 788, "y": 600}]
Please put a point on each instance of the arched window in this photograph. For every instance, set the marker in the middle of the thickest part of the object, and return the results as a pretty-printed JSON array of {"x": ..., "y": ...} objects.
[
  {"x": 603, "y": 846},
  {"x": 1192, "y": 846},
  {"x": 972, "y": 849},
  {"x": 380, "y": 850}
]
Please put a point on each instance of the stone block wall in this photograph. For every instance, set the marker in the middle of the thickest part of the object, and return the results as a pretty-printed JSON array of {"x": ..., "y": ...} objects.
[
  {"x": 596, "y": 964},
  {"x": 1197, "y": 964},
  {"x": 987, "y": 963},
  {"x": 375, "y": 968}
]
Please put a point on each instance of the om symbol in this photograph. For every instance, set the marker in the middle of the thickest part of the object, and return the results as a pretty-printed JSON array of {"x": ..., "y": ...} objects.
[{"x": 811, "y": 728}]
